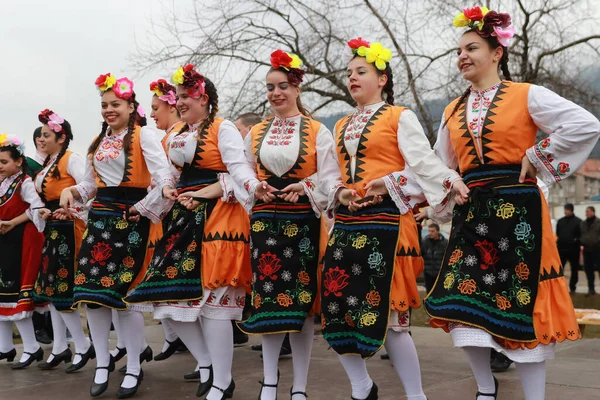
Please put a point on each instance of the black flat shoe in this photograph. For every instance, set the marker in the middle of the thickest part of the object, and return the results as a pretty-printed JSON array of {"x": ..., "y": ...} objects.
[
  {"x": 124, "y": 393},
  {"x": 494, "y": 395},
  {"x": 87, "y": 356},
  {"x": 145, "y": 355},
  {"x": 173, "y": 347},
  {"x": 264, "y": 385},
  {"x": 192, "y": 376},
  {"x": 65, "y": 356},
  {"x": 204, "y": 387},
  {"x": 292, "y": 393},
  {"x": 372, "y": 394},
  {"x": 37, "y": 356},
  {"x": 122, "y": 352},
  {"x": 9, "y": 356},
  {"x": 227, "y": 393},
  {"x": 98, "y": 388}
]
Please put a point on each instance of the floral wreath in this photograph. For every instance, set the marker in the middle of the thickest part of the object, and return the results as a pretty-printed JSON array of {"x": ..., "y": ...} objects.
[
  {"x": 123, "y": 87},
  {"x": 290, "y": 64},
  {"x": 486, "y": 23},
  {"x": 164, "y": 91},
  {"x": 53, "y": 120},
  {"x": 191, "y": 80},
  {"x": 12, "y": 140},
  {"x": 374, "y": 53}
]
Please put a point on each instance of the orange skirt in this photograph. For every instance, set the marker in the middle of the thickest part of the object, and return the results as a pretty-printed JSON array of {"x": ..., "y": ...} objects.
[{"x": 408, "y": 266}]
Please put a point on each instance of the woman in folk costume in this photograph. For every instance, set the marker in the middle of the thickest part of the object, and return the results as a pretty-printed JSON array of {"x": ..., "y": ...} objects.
[
  {"x": 369, "y": 281},
  {"x": 21, "y": 242},
  {"x": 500, "y": 285},
  {"x": 122, "y": 226},
  {"x": 54, "y": 285},
  {"x": 286, "y": 151},
  {"x": 201, "y": 272}
]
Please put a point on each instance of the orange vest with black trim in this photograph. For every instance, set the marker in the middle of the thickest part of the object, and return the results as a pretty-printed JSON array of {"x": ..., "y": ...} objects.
[
  {"x": 53, "y": 187},
  {"x": 377, "y": 155},
  {"x": 508, "y": 130},
  {"x": 306, "y": 163},
  {"x": 176, "y": 129},
  {"x": 135, "y": 173},
  {"x": 208, "y": 155}
]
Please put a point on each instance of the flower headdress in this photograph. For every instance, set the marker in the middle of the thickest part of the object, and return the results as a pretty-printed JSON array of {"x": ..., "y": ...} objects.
[
  {"x": 191, "y": 80},
  {"x": 164, "y": 91},
  {"x": 374, "y": 53},
  {"x": 486, "y": 23},
  {"x": 12, "y": 140},
  {"x": 123, "y": 87},
  {"x": 290, "y": 64},
  {"x": 53, "y": 120}
]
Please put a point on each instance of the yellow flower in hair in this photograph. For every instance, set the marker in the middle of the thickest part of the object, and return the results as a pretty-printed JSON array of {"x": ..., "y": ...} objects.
[
  {"x": 3, "y": 138},
  {"x": 178, "y": 76},
  {"x": 379, "y": 55},
  {"x": 362, "y": 51},
  {"x": 460, "y": 20},
  {"x": 484, "y": 10},
  {"x": 296, "y": 62},
  {"x": 109, "y": 82}
]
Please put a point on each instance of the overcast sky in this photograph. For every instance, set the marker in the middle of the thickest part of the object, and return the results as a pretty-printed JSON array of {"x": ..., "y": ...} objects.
[{"x": 52, "y": 52}]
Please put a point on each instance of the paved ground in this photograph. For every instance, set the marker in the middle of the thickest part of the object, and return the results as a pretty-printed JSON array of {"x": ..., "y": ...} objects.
[{"x": 446, "y": 375}]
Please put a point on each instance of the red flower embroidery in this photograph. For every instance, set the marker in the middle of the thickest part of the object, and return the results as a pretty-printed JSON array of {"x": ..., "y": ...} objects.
[
  {"x": 224, "y": 300},
  {"x": 211, "y": 298},
  {"x": 563, "y": 168},
  {"x": 268, "y": 265},
  {"x": 335, "y": 280},
  {"x": 402, "y": 180},
  {"x": 45, "y": 262},
  {"x": 171, "y": 243},
  {"x": 545, "y": 143},
  {"x": 101, "y": 252},
  {"x": 489, "y": 254}
]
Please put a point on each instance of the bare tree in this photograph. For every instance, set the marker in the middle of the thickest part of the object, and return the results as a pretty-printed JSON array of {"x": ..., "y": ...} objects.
[{"x": 231, "y": 42}]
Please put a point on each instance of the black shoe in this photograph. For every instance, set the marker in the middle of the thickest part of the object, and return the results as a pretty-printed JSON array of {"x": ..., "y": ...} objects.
[
  {"x": 65, "y": 356},
  {"x": 385, "y": 356},
  {"x": 500, "y": 363},
  {"x": 192, "y": 376},
  {"x": 292, "y": 393},
  {"x": 204, "y": 387},
  {"x": 372, "y": 394},
  {"x": 494, "y": 395},
  {"x": 9, "y": 356},
  {"x": 98, "y": 388},
  {"x": 227, "y": 393},
  {"x": 42, "y": 336},
  {"x": 88, "y": 355},
  {"x": 264, "y": 385},
  {"x": 37, "y": 356},
  {"x": 145, "y": 355},
  {"x": 591, "y": 293},
  {"x": 122, "y": 352},
  {"x": 173, "y": 347},
  {"x": 124, "y": 393},
  {"x": 256, "y": 347}
]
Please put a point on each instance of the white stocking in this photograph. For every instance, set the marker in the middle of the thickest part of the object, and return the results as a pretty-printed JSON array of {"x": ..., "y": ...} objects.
[
  {"x": 6, "y": 340},
  {"x": 219, "y": 339},
  {"x": 117, "y": 325},
  {"x": 403, "y": 354},
  {"x": 30, "y": 344},
  {"x": 271, "y": 347},
  {"x": 99, "y": 322},
  {"x": 59, "y": 329},
  {"x": 132, "y": 328},
  {"x": 533, "y": 379},
  {"x": 479, "y": 360},
  {"x": 170, "y": 334},
  {"x": 73, "y": 322},
  {"x": 191, "y": 334},
  {"x": 356, "y": 369},
  {"x": 301, "y": 344}
]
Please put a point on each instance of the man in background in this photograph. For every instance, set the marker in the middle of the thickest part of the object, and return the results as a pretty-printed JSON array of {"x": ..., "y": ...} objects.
[
  {"x": 245, "y": 122},
  {"x": 590, "y": 240},
  {"x": 432, "y": 251},
  {"x": 568, "y": 231}
]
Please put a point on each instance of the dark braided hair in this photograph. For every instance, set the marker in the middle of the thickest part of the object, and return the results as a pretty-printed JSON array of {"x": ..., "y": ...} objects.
[
  {"x": 68, "y": 134},
  {"x": 134, "y": 118},
  {"x": 388, "y": 89},
  {"x": 213, "y": 104},
  {"x": 492, "y": 41}
]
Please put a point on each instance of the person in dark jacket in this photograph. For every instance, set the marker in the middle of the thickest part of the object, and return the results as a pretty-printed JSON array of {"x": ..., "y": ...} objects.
[
  {"x": 590, "y": 240},
  {"x": 432, "y": 250},
  {"x": 568, "y": 231}
]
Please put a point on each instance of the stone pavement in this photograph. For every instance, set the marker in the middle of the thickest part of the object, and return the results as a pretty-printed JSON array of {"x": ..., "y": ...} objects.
[{"x": 574, "y": 374}]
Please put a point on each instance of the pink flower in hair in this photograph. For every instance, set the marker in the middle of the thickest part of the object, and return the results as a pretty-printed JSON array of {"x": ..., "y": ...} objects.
[
  {"x": 54, "y": 122},
  {"x": 141, "y": 112},
  {"x": 169, "y": 98},
  {"x": 503, "y": 34},
  {"x": 123, "y": 88}
]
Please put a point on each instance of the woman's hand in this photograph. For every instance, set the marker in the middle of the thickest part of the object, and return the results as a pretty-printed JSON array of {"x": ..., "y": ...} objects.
[
  {"x": 45, "y": 213},
  {"x": 350, "y": 198},
  {"x": 376, "y": 188},
  {"x": 421, "y": 215},
  {"x": 264, "y": 191},
  {"x": 66, "y": 199},
  {"x": 461, "y": 191},
  {"x": 62, "y": 215},
  {"x": 169, "y": 193},
  {"x": 527, "y": 170},
  {"x": 134, "y": 214},
  {"x": 292, "y": 192},
  {"x": 6, "y": 226}
]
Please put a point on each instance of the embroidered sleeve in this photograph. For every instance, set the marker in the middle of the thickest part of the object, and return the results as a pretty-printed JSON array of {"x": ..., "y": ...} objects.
[
  {"x": 227, "y": 186},
  {"x": 431, "y": 174},
  {"x": 87, "y": 186},
  {"x": 30, "y": 195},
  {"x": 404, "y": 189},
  {"x": 572, "y": 131},
  {"x": 76, "y": 168}
]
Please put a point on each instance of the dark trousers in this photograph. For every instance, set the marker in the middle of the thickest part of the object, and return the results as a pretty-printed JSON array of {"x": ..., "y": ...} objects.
[
  {"x": 430, "y": 277},
  {"x": 572, "y": 256},
  {"x": 591, "y": 264}
]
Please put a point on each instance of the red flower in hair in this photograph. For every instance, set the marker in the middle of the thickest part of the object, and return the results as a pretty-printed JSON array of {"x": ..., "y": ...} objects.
[
  {"x": 280, "y": 58},
  {"x": 474, "y": 14},
  {"x": 189, "y": 67},
  {"x": 153, "y": 86},
  {"x": 101, "y": 79},
  {"x": 357, "y": 43},
  {"x": 44, "y": 116},
  {"x": 494, "y": 18}
]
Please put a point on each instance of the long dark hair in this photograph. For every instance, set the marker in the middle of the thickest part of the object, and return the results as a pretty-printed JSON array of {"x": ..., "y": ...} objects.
[
  {"x": 134, "y": 118},
  {"x": 492, "y": 41},
  {"x": 16, "y": 155},
  {"x": 213, "y": 104}
]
